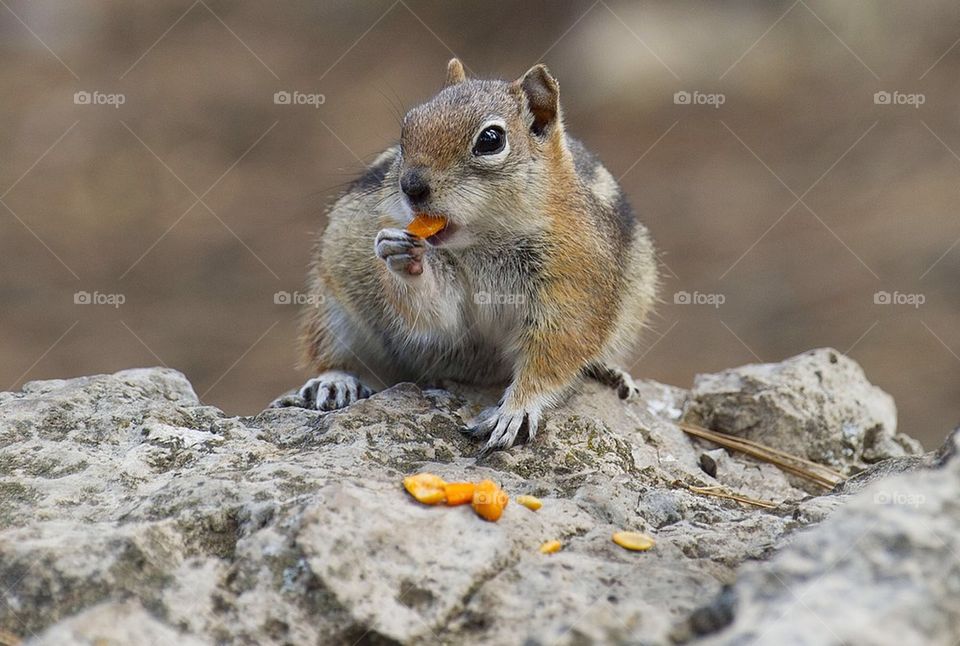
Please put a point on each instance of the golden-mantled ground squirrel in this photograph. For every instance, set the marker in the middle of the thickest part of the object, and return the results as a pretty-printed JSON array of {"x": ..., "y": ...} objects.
[{"x": 542, "y": 277}]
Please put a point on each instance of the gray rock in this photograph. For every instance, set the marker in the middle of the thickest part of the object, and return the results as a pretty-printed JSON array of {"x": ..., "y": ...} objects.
[
  {"x": 818, "y": 405},
  {"x": 125, "y": 622},
  {"x": 883, "y": 569},
  {"x": 132, "y": 513}
]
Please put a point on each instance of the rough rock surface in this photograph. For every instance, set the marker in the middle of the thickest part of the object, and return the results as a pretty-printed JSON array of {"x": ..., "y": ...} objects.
[
  {"x": 132, "y": 513},
  {"x": 818, "y": 405},
  {"x": 894, "y": 550}
]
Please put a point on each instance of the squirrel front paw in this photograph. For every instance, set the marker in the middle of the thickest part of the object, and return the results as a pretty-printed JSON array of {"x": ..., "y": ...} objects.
[
  {"x": 328, "y": 391},
  {"x": 502, "y": 425},
  {"x": 401, "y": 250}
]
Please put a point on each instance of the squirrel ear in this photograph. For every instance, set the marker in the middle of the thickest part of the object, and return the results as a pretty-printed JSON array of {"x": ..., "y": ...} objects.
[
  {"x": 543, "y": 97},
  {"x": 455, "y": 73}
]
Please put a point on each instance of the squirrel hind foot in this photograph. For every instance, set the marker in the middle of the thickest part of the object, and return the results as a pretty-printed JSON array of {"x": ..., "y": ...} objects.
[{"x": 613, "y": 377}]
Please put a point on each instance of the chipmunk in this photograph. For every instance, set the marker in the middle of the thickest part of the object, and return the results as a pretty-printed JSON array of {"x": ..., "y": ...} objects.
[{"x": 541, "y": 277}]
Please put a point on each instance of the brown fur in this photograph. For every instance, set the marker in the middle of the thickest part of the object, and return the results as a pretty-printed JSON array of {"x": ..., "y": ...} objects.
[{"x": 537, "y": 227}]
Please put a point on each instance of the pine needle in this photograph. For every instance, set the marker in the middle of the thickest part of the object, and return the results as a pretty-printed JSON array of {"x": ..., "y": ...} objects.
[
  {"x": 817, "y": 473},
  {"x": 720, "y": 492}
]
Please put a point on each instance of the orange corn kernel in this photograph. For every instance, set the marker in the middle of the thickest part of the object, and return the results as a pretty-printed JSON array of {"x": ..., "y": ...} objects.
[
  {"x": 425, "y": 225},
  {"x": 489, "y": 500},
  {"x": 633, "y": 541},
  {"x": 459, "y": 493},
  {"x": 551, "y": 547},
  {"x": 530, "y": 502},
  {"x": 426, "y": 488}
]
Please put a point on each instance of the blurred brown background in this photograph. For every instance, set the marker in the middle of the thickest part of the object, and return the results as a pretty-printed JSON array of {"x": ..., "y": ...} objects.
[{"x": 96, "y": 197}]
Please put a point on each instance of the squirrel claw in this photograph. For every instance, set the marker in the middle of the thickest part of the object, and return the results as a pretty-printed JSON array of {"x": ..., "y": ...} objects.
[
  {"x": 289, "y": 400},
  {"x": 328, "y": 391},
  {"x": 483, "y": 424},
  {"x": 502, "y": 427}
]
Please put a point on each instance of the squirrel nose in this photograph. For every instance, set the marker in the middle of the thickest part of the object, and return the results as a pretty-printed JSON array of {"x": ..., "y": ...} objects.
[{"x": 414, "y": 184}]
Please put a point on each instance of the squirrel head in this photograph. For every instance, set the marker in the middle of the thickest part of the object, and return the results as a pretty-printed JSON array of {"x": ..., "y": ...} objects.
[{"x": 481, "y": 152}]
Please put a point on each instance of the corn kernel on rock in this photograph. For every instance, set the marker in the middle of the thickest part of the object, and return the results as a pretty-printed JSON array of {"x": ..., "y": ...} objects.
[
  {"x": 426, "y": 488},
  {"x": 489, "y": 500},
  {"x": 530, "y": 502},
  {"x": 459, "y": 493},
  {"x": 634, "y": 541},
  {"x": 550, "y": 547}
]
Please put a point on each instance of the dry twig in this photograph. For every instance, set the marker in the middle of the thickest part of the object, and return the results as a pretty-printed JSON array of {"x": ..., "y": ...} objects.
[{"x": 821, "y": 475}]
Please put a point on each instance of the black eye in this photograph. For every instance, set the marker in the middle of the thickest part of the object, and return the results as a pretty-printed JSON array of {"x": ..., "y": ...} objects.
[{"x": 491, "y": 141}]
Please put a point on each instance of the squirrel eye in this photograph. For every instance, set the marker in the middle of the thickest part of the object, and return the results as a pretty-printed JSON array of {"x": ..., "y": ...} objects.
[{"x": 491, "y": 141}]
